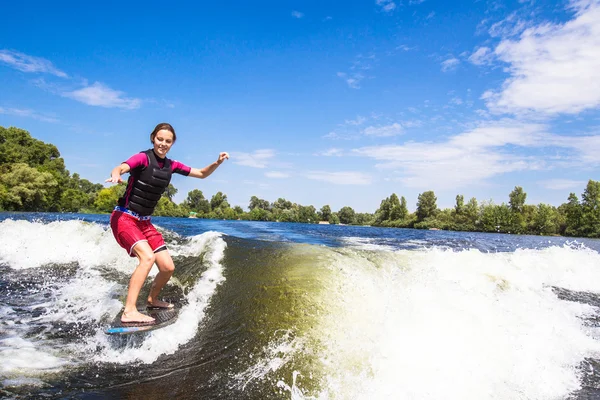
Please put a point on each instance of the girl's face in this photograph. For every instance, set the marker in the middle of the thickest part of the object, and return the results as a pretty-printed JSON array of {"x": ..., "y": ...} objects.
[{"x": 163, "y": 142}]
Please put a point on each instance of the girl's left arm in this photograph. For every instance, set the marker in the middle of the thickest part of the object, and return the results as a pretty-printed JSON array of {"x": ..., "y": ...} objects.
[{"x": 209, "y": 169}]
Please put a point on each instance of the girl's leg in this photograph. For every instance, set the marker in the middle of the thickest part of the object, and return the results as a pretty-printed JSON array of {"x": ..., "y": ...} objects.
[
  {"x": 165, "y": 265},
  {"x": 146, "y": 259}
]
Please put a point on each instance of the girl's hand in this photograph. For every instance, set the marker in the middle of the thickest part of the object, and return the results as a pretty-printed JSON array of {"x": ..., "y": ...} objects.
[
  {"x": 222, "y": 157},
  {"x": 113, "y": 179}
]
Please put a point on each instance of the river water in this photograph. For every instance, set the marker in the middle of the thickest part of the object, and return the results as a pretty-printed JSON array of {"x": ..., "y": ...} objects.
[{"x": 299, "y": 311}]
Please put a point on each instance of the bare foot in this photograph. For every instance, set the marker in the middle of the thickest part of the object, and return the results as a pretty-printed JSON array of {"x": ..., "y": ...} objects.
[
  {"x": 159, "y": 304},
  {"x": 136, "y": 316}
]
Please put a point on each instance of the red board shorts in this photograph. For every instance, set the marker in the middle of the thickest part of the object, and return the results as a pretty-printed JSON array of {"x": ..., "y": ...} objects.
[{"x": 129, "y": 231}]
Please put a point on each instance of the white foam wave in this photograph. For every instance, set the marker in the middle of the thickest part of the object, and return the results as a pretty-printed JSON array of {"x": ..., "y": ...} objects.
[
  {"x": 168, "y": 340},
  {"x": 89, "y": 296},
  {"x": 23, "y": 357},
  {"x": 455, "y": 325},
  {"x": 34, "y": 244},
  {"x": 280, "y": 351},
  {"x": 365, "y": 243}
]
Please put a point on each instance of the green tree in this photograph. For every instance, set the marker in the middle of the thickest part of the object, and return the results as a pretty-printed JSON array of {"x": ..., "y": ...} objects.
[
  {"x": 169, "y": 192},
  {"x": 383, "y": 212},
  {"x": 255, "y": 202},
  {"x": 346, "y": 215},
  {"x": 282, "y": 204},
  {"x": 545, "y": 220},
  {"x": 166, "y": 208},
  {"x": 403, "y": 214},
  {"x": 517, "y": 205},
  {"x": 573, "y": 215},
  {"x": 459, "y": 208},
  {"x": 307, "y": 214},
  {"x": 517, "y": 199},
  {"x": 219, "y": 200},
  {"x": 26, "y": 188},
  {"x": 194, "y": 200},
  {"x": 325, "y": 213},
  {"x": 107, "y": 198},
  {"x": 363, "y": 219},
  {"x": 426, "y": 205},
  {"x": 259, "y": 214},
  {"x": 334, "y": 219},
  {"x": 73, "y": 200},
  {"x": 395, "y": 208},
  {"x": 238, "y": 210},
  {"x": 590, "y": 205}
]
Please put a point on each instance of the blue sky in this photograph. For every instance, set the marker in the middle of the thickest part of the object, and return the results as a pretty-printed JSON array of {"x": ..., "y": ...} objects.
[{"x": 318, "y": 102}]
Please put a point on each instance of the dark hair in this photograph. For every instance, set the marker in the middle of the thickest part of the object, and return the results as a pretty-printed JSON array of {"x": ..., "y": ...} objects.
[{"x": 160, "y": 127}]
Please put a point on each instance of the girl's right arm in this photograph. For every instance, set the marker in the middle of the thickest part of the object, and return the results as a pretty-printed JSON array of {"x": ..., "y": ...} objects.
[{"x": 115, "y": 175}]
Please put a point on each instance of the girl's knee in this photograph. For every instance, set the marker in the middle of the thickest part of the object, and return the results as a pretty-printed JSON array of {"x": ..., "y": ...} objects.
[
  {"x": 168, "y": 267},
  {"x": 148, "y": 260}
]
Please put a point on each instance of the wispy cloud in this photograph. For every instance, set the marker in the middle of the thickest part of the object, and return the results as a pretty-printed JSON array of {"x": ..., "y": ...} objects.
[
  {"x": 488, "y": 150},
  {"x": 386, "y": 5},
  {"x": 352, "y": 80},
  {"x": 360, "y": 65},
  {"x": 374, "y": 125},
  {"x": 101, "y": 95},
  {"x": 340, "y": 178},
  {"x": 482, "y": 56},
  {"x": 511, "y": 26},
  {"x": 26, "y": 113},
  {"x": 358, "y": 121},
  {"x": 384, "y": 130},
  {"x": 297, "y": 14},
  {"x": 26, "y": 63},
  {"x": 555, "y": 68},
  {"x": 257, "y": 159},
  {"x": 561, "y": 184},
  {"x": 333, "y": 152},
  {"x": 276, "y": 175},
  {"x": 97, "y": 94},
  {"x": 405, "y": 47},
  {"x": 464, "y": 159},
  {"x": 450, "y": 64}
]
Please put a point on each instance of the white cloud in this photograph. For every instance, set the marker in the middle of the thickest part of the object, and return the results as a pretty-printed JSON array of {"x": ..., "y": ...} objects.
[
  {"x": 482, "y": 56},
  {"x": 27, "y": 114},
  {"x": 384, "y": 131},
  {"x": 26, "y": 63},
  {"x": 100, "y": 95},
  {"x": 257, "y": 159},
  {"x": 297, "y": 14},
  {"x": 386, "y": 5},
  {"x": 276, "y": 175},
  {"x": 358, "y": 121},
  {"x": 340, "y": 178},
  {"x": 405, "y": 47},
  {"x": 457, "y": 101},
  {"x": 450, "y": 64},
  {"x": 331, "y": 152},
  {"x": 562, "y": 184},
  {"x": 463, "y": 160},
  {"x": 554, "y": 68},
  {"x": 352, "y": 80},
  {"x": 508, "y": 27}
]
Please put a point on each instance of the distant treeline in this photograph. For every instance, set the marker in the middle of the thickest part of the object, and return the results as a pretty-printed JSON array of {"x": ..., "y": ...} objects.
[{"x": 33, "y": 177}]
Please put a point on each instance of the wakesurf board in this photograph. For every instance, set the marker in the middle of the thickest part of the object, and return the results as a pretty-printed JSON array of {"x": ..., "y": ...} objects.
[{"x": 162, "y": 316}]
